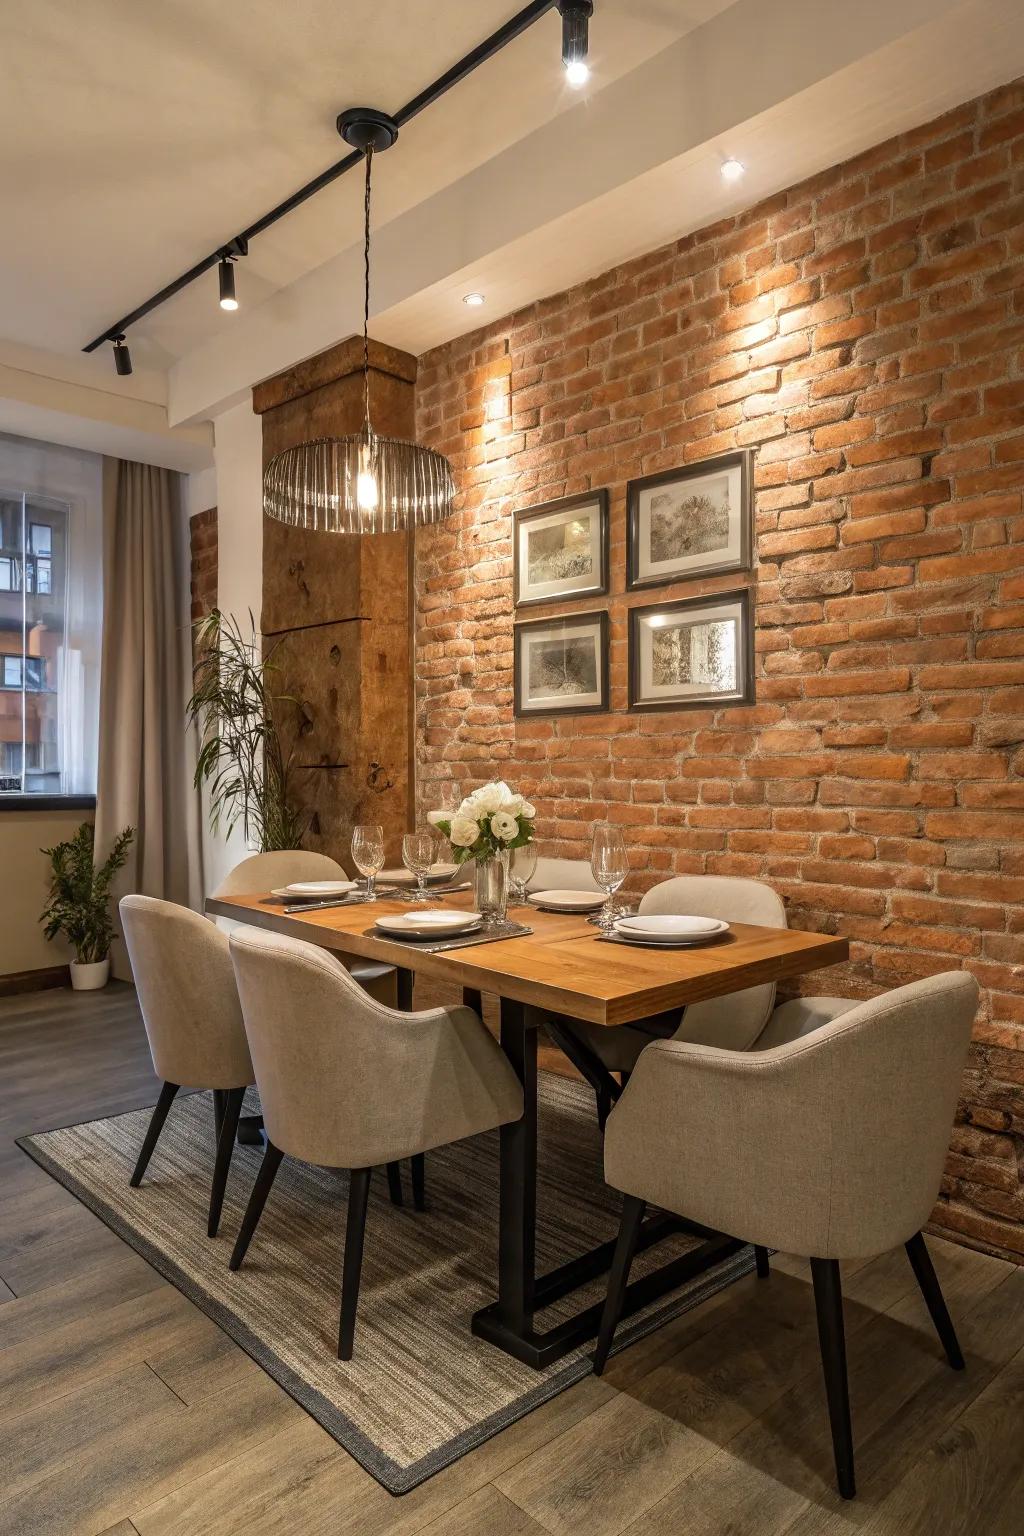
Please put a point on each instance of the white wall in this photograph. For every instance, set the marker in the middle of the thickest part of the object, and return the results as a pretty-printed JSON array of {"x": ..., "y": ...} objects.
[{"x": 238, "y": 496}]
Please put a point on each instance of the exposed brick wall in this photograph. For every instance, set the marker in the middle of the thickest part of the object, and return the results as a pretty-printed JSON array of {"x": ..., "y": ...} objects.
[
  {"x": 864, "y": 333},
  {"x": 203, "y": 545}
]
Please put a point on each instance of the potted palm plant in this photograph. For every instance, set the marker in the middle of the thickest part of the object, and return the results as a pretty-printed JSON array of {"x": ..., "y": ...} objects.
[
  {"x": 79, "y": 903},
  {"x": 248, "y": 771}
]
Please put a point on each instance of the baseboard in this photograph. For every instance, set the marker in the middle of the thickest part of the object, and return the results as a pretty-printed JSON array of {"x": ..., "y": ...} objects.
[{"x": 35, "y": 981}]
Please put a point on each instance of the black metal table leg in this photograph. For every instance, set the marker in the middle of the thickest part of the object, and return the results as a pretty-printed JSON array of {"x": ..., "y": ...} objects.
[
  {"x": 404, "y": 987},
  {"x": 508, "y": 1322}
]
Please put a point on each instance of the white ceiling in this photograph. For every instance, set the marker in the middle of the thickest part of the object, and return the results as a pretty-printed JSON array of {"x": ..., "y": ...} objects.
[{"x": 136, "y": 137}]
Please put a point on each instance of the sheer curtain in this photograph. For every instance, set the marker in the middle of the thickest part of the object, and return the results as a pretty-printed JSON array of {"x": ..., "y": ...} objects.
[{"x": 145, "y": 752}]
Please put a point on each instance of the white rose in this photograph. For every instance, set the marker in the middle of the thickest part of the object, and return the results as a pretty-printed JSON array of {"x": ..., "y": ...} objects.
[
  {"x": 434, "y": 817},
  {"x": 528, "y": 810},
  {"x": 489, "y": 799},
  {"x": 504, "y": 827},
  {"x": 513, "y": 805},
  {"x": 464, "y": 832}
]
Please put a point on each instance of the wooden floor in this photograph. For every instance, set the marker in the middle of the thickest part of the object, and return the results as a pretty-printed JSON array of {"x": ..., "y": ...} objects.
[{"x": 123, "y": 1410}]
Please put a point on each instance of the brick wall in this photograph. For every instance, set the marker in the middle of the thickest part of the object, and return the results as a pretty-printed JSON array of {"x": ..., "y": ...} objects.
[
  {"x": 864, "y": 334},
  {"x": 202, "y": 530}
]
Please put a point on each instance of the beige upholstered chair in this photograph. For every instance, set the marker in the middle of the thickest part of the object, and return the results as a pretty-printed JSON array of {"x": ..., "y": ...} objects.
[
  {"x": 733, "y": 1022},
  {"x": 563, "y": 875},
  {"x": 830, "y": 1147},
  {"x": 189, "y": 1002},
  {"x": 348, "y": 1083},
  {"x": 262, "y": 872}
]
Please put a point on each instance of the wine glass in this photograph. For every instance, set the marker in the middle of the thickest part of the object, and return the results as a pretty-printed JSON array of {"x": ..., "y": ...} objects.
[
  {"x": 448, "y": 796},
  {"x": 521, "y": 867},
  {"x": 418, "y": 850},
  {"x": 368, "y": 855},
  {"x": 609, "y": 866}
]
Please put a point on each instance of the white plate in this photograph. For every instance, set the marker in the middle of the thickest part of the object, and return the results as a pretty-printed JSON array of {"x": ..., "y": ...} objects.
[
  {"x": 311, "y": 889},
  {"x": 566, "y": 901},
  {"x": 403, "y": 876},
  {"x": 670, "y": 929},
  {"x": 413, "y": 925}
]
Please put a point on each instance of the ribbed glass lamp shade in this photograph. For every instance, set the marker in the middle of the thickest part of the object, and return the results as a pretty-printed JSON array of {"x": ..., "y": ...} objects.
[{"x": 324, "y": 485}]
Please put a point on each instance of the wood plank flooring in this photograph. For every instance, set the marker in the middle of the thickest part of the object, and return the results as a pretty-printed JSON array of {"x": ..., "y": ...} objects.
[{"x": 125, "y": 1412}]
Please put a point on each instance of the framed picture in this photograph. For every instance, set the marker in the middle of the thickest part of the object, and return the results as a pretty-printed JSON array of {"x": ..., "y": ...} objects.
[
  {"x": 695, "y": 521},
  {"x": 561, "y": 666},
  {"x": 560, "y": 549},
  {"x": 693, "y": 653}
]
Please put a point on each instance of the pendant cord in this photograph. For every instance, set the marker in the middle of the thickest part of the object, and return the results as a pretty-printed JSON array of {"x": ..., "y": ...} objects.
[{"x": 366, "y": 293}]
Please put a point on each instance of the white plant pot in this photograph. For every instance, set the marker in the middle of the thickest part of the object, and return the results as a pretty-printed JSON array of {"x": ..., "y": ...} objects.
[{"x": 89, "y": 976}]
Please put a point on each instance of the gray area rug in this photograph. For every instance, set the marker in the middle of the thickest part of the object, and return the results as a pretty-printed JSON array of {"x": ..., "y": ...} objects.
[{"x": 421, "y": 1391}]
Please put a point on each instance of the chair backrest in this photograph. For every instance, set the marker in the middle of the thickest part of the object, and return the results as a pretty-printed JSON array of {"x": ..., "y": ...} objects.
[
  {"x": 187, "y": 994},
  {"x": 879, "y": 1089},
  {"x": 563, "y": 875},
  {"x": 734, "y": 1021},
  {"x": 345, "y": 1081},
  {"x": 264, "y": 871}
]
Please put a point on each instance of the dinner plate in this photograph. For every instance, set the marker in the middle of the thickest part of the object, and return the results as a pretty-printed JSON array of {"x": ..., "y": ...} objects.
[
  {"x": 429, "y": 924},
  {"x": 670, "y": 925},
  {"x": 306, "y": 890},
  {"x": 566, "y": 901},
  {"x": 403, "y": 876},
  {"x": 668, "y": 938}
]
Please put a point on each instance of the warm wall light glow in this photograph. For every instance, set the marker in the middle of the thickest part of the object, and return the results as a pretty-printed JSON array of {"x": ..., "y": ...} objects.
[
  {"x": 474, "y": 300},
  {"x": 732, "y": 170},
  {"x": 366, "y": 481},
  {"x": 577, "y": 73}
]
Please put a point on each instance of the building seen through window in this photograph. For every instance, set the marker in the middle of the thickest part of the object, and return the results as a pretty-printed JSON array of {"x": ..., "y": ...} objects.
[{"x": 35, "y": 665}]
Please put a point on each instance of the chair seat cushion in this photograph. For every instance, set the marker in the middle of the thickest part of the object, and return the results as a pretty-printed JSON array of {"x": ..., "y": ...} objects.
[
  {"x": 799, "y": 1017},
  {"x": 617, "y": 1046}
]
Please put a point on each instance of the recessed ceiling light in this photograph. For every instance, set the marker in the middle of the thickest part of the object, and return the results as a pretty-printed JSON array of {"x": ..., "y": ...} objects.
[
  {"x": 577, "y": 74},
  {"x": 732, "y": 169},
  {"x": 474, "y": 300}
]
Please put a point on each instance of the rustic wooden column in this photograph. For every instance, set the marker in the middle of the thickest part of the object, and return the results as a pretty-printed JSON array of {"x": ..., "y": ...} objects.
[{"x": 338, "y": 609}]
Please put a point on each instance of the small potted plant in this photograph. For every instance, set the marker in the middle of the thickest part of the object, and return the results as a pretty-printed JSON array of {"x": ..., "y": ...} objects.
[{"x": 79, "y": 903}]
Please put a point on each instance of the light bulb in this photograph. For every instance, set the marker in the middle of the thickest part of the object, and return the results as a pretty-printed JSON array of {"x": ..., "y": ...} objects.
[
  {"x": 577, "y": 73},
  {"x": 366, "y": 481},
  {"x": 732, "y": 169},
  {"x": 474, "y": 300}
]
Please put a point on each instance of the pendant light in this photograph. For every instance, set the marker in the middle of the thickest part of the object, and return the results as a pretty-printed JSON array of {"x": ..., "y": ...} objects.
[{"x": 363, "y": 483}]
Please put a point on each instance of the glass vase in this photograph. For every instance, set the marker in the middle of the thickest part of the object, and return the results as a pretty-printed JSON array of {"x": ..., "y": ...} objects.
[{"x": 491, "y": 887}]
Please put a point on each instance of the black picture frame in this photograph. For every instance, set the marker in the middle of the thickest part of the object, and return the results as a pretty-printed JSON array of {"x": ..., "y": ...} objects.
[
  {"x": 586, "y": 620},
  {"x": 744, "y": 695},
  {"x": 522, "y": 517},
  {"x": 725, "y": 463}
]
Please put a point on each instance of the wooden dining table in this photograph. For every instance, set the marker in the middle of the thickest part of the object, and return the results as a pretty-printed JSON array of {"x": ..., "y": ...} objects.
[{"x": 562, "y": 968}]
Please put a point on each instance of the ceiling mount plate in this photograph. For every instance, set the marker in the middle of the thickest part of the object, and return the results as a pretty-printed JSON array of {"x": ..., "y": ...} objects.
[{"x": 366, "y": 128}]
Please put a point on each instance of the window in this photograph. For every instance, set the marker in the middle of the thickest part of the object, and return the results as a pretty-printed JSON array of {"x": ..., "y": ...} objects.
[{"x": 42, "y": 677}]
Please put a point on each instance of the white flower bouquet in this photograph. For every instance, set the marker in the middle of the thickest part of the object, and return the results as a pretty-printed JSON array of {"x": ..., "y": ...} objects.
[{"x": 491, "y": 821}]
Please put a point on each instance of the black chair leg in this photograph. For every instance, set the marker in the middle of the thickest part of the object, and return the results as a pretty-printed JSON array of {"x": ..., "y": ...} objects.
[
  {"x": 152, "y": 1136},
  {"x": 225, "y": 1146},
  {"x": 257, "y": 1200},
  {"x": 355, "y": 1229},
  {"x": 761, "y": 1260},
  {"x": 219, "y": 1101},
  {"x": 625, "y": 1248},
  {"x": 419, "y": 1181},
  {"x": 924, "y": 1272},
  {"x": 395, "y": 1183},
  {"x": 828, "y": 1299}
]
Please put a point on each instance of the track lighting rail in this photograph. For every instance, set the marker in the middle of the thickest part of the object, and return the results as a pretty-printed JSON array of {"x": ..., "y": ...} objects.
[{"x": 498, "y": 40}]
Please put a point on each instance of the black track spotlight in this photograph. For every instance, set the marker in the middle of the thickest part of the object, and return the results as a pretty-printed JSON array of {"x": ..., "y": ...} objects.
[
  {"x": 576, "y": 16},
  {"x": 226, "y": 274},
  {"x": 122, "y": 357}
]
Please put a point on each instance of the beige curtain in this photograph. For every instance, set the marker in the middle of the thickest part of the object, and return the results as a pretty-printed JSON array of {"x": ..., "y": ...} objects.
[{"x": 144, "y": 777}]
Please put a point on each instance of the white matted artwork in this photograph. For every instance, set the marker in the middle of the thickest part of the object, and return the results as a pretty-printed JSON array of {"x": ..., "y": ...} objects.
[
  {"x": 560, "y": 549},
  {"x": 692, "y": 653},
  {"x": 694, "y": 521},
  {"x": 561, "y": 665}
]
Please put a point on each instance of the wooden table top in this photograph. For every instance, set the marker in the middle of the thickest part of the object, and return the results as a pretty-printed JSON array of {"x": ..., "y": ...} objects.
[{"x": 562, "y": 966}]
